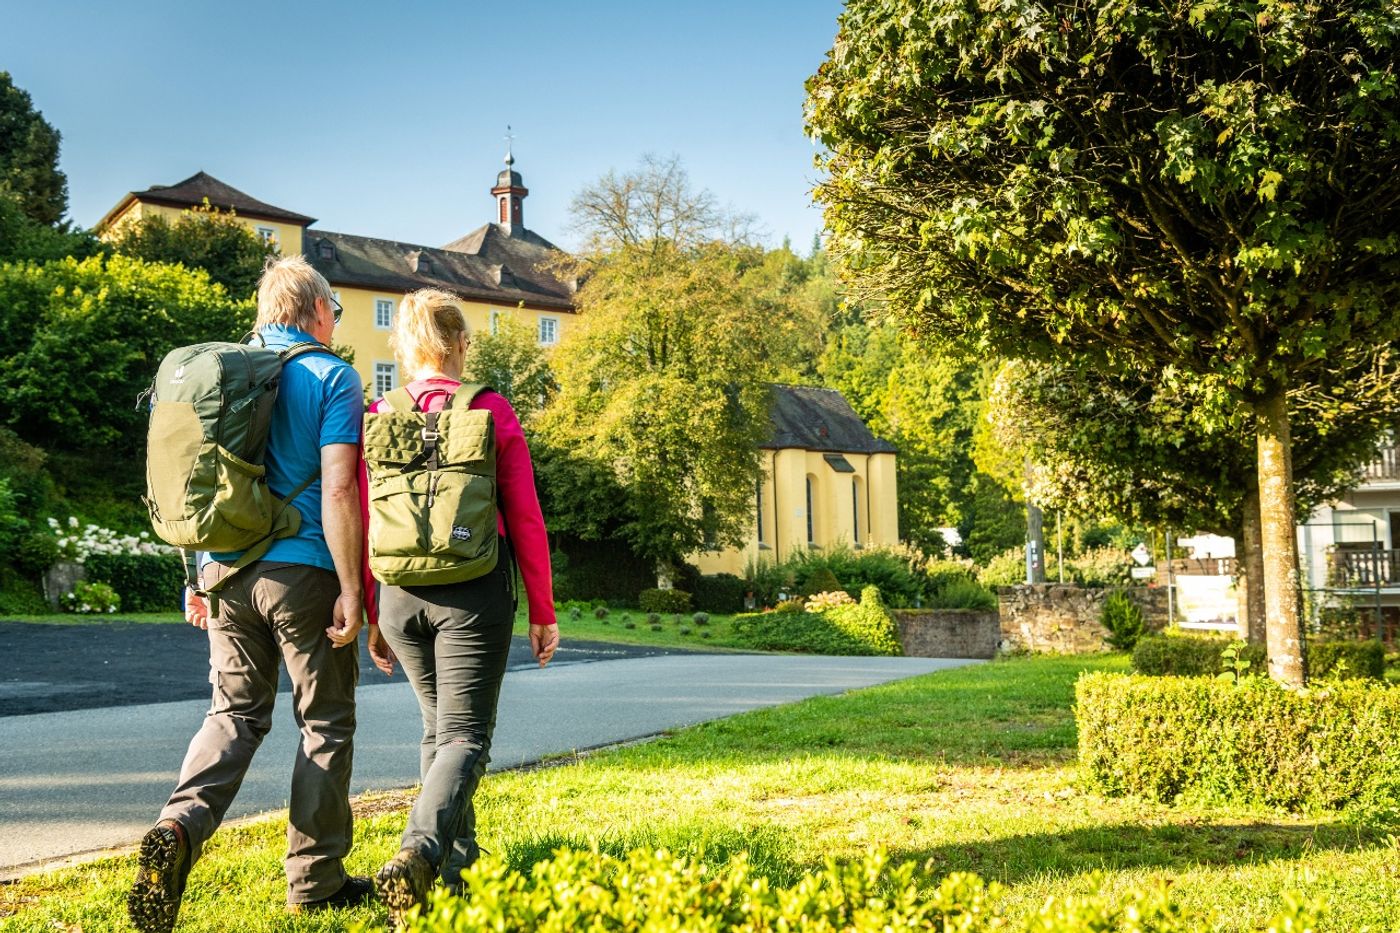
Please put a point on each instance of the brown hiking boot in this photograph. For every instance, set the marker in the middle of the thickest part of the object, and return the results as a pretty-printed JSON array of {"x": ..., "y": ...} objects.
[
  {"x": 403, "y": 882},
  {"x": 162, "y": 867},
  {"x": 354, "y": 892}
]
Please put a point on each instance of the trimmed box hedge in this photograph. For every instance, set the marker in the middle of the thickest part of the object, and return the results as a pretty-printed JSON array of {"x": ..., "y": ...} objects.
[
  {"x": 145, "y": 582},
  {"x": 658, "y": 600},
  {"x": 1197, "y": 655},
  {"x": 864, "y": 628},
  {"x": 1325, "y": 747},
  {"x": 645, "y": 890},
  {"x": 719, "y": 592}
]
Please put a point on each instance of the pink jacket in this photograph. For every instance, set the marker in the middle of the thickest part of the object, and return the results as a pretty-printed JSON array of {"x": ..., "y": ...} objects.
[{"x": 515, "y": 481}]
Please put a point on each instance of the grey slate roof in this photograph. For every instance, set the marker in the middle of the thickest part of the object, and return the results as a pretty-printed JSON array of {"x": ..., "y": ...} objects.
[
  {"x": 487, "y": 264},
  {"x": 812, "y": 418},
  {"x": 194, "y": 190}
]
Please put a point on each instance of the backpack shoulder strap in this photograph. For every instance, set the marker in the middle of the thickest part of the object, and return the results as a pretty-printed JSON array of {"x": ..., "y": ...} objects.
[
  {"x": 465, "y": 393},
  {"x": 299, "y": 349},
  {"x": 400, "y": 399}
]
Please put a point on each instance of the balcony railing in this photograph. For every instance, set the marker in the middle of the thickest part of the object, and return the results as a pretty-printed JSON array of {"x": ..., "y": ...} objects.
[
  {"x": 1386, "y": 466},
  {"x": 1365, "y": 568}
]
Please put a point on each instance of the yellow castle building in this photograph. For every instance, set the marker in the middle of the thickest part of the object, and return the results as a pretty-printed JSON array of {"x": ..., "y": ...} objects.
[
  {"x": 500, "y": 268},
  {"x": 827, "y": 479}
]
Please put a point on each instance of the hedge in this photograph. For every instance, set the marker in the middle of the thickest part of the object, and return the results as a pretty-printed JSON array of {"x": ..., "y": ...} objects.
[
  {"x": 145, "y": 582},
  {"x": 1196, "y": 655},
  {"x": 663, "y": 601},
  {"x": 646, "y": 890},
  {"x": 863, "y": 628},
  {"x": 1256, "y": 742},
  {"x": 720, "y": 592}
]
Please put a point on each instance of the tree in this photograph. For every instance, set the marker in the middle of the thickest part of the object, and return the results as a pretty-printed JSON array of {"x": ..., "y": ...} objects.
[
  {"x": 29, "y": 172},
  {"x": 512, "y": 362},
  {"x": 200, "y": 238},
  {"x": 81, "y": 339},
  {"x": 1207, "y": 189},
  {"x": 24, "y": 239}
]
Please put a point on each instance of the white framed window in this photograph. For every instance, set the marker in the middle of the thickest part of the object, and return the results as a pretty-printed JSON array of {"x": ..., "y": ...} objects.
[
  {"x": 383, "y": 313},
  {"x": 386, "y": 378},
  {"x": 549, "y": 331},
  {"x": 495, "y": 322},
  {"x": 266, "y": 234}
]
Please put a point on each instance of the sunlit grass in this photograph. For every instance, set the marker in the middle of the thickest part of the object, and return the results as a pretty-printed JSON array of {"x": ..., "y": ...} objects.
[{"x": 970, "y": 769}]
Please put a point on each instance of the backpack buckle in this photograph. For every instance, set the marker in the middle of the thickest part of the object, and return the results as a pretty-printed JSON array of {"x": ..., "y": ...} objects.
[{"x": 429, "y": 435}]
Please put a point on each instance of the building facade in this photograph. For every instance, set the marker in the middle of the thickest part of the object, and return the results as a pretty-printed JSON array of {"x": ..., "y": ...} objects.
[
  {"x": 499, "y": 269},
  {"x": 827, "y": 482}
]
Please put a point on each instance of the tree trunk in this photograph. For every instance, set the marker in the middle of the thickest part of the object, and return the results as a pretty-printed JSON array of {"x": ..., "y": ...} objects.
[
  {"x": 1278, "y": 538},
  {"x": 1249, "y": 572}
]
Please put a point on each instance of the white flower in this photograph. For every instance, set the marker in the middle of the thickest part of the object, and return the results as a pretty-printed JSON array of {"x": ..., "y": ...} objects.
[{"x": 72, "y": 521}]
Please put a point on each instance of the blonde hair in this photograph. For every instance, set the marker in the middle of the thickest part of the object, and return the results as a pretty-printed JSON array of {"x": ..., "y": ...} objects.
[
  {"x": 426, "y": 328},
  {"x": 287, "y": 292}
]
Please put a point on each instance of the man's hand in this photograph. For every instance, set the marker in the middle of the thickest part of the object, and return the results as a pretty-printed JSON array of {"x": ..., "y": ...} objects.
[
  {"x": 380, "y": 652},
  {"x": 346, "y": 618},
  {"x": 544, "y": 641},
  {"x": 196, "y": 609}
]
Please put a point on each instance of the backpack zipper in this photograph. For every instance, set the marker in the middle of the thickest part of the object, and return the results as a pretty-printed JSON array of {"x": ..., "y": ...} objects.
[{"x": 432, "y": 487}]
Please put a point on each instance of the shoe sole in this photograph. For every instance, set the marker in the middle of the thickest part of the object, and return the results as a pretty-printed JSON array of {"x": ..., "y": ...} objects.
[
  {"x": 154, "y": 900},
  {"x": 395, "y": 887}
]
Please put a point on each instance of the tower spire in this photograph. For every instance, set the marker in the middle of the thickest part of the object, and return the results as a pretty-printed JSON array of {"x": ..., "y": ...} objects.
[{"x": 510, "y": 191}]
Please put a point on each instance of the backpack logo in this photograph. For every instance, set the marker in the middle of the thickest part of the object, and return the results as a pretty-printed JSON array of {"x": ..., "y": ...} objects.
[
  {"x": 461, "y": 533},
  {"x": 179, "y": 376}
]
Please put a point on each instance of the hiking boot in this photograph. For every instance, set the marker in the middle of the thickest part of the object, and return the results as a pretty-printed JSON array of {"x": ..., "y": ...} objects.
[
  {"x": 403, "y": 882},
  {"x": 162, "y": 867},
  {"x": 355, "y": 892}
]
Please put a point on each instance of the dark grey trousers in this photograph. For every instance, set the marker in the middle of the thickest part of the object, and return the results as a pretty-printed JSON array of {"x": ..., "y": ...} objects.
[
  {"x": 453, "y": 641},
  {"x": 272, "y": 612}
]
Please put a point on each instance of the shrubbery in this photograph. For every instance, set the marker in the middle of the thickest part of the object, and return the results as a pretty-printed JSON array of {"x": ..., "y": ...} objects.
[
  {"x": 647, "y": 890},
  {"x": 657, "y": 600},
  {"x": 863, "y": 628},
  {"x": 1122, "y": 618},
  {"x": 1199, "y": 655},
  {"x": 897, "y": 571},
  {"x": 720, "y": 592},
  {"x": 1005, "y": 569},
  {"x": 145, "y": 582},
  {"x": 1325, "y": 747},
  {"x": 92, "y": 599}
]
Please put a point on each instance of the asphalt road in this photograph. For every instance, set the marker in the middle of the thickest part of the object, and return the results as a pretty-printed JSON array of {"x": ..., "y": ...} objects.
[
  {"x": 48, "y": 668},
  {"x": 80, "y": 780}
]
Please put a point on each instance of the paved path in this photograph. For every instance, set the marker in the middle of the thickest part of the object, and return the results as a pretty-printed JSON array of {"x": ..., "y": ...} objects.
[{"x": 77, "y": 781}]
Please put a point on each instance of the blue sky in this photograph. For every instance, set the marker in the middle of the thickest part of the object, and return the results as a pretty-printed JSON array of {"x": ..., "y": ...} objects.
[{"x": 386, "y": 119}]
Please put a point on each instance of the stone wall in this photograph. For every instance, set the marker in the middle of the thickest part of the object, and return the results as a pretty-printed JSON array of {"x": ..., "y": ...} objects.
[
  {"x": 1065, "y": 618},
  {"x": 60, "y": 580},
  {"x": 948, "y": 633}
]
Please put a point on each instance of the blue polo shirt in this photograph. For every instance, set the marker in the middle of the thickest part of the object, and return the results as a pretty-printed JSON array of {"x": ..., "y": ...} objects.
[{"x": 320, "y": 401}]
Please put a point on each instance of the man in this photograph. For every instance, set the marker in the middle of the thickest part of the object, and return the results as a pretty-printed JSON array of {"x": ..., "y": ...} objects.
[{"x": 301, "y": 603}]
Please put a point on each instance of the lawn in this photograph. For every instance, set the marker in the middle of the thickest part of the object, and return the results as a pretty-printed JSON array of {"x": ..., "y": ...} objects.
[{"x": 971, "y": 769}]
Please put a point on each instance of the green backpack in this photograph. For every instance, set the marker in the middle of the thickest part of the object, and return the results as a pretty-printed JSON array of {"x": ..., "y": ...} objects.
[
  {"x": 206, "y": 486},
  {"x": 432, "y": 490}
]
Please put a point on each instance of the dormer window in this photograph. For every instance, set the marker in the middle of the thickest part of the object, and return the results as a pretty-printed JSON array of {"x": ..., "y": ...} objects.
[
  {"x": 325, "y": 249},
  {"x": 425, "y": 265}
]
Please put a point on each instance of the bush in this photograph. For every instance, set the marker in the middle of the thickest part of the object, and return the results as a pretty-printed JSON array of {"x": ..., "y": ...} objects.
[
  {"x": 820, "y": 580},
  {"x": 939, "y": 574},
  {"x": 600, "y": 612},
  {"x": 1122, "y": 617},
  {"x": 1199, "y": 655},
  {"x": 1253, "y": 743},
  {"x": 963, "y": 594},
  {"x": 796, "y": 604},
  {"x": 863, "y": 628},
  {"x": 145, "y": 582},
  {"x": 660, "y": 890},
  {"x": 720, "y": 592},
  {"x": 1005, "y": 569},
  {"x": 20, "y": 596},
  {"x": 1103, "y": 566},
  {"x": 36, "y": 553},
  {"x": 92, "y": 599},
  {"x": 701, "y": 618},
  {"x": 820, "y": 602},
  {"x": 653, "y": 618},
  {"x": 663, "y": 601}
]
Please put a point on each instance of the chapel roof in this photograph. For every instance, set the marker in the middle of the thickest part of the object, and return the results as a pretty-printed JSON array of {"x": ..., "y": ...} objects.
[{"x": 813, "y": 418}]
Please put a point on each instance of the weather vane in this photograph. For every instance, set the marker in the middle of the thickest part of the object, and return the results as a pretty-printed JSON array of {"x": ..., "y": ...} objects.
[{"x": 510, "y": 141}]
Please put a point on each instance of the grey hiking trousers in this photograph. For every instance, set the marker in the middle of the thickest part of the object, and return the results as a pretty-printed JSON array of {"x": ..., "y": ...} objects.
[
  {"x": 453, "y": 641},
  {"x": 275, "y": 612}
]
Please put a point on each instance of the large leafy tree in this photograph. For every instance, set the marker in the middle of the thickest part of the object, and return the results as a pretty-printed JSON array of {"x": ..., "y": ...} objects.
[
  {"x": 1210, "y": 189},
  {"x": 29, "y": 172},
  {"x": 201, "y": 238},
  {"x": 512, "y": 362},
  {"x": 80, "y": 340}
]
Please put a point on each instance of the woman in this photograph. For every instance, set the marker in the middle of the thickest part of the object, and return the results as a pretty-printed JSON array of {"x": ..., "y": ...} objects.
[{"x": 453, "y": 638}]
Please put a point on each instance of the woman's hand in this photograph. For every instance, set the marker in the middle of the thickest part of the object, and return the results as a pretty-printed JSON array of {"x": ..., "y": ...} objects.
[
  {"x": 544, "y": 641},
  {"x": 380, "y": 652}
]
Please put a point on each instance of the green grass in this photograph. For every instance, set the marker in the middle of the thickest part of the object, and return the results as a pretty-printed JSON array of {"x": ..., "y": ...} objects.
[
  {"x": 70, "y": 618},
  {"x": 971, "y": 769},
  {"x": 614, "y": 629}
]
